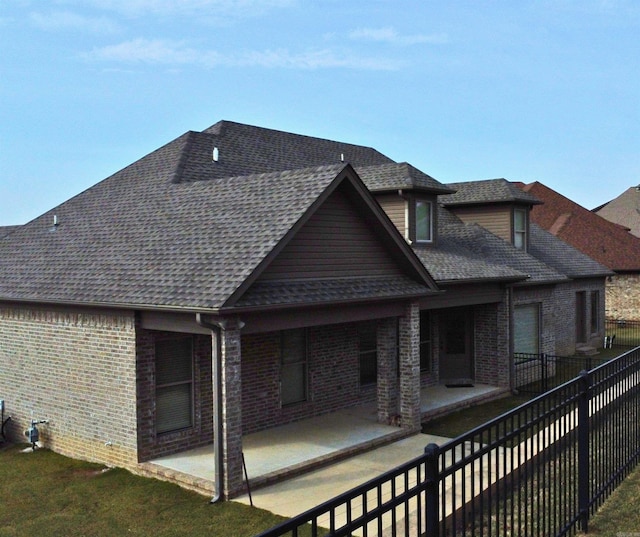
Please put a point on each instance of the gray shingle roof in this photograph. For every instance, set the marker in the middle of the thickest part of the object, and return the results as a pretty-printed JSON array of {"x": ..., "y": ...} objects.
[
  {"x": 177, "y": 229},
  {"x": 486, "y": 192},
  {"x": 399, "y": 176},
  {"x": 139, "y": 238},
  {"x": 468, "y": 252},
  {"x": 166, "y": 231},
  {"x": 6, "y": 230},
  {"x": 245, "y": 149}
]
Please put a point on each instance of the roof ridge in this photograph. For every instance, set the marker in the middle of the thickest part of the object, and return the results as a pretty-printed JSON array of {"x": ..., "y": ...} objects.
[{"x": 184, "y": 157}]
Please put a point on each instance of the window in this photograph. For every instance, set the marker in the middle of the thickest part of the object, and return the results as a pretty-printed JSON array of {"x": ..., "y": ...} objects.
[
  {"x": 424, "y": 221},
  {"x": 526, "y": 324},
  {"x": 595, "y": 311},
  {"x": 293, "y": 366},
  {"x": 520, "y": 229},
  {"x": 425, "y": 341},
  {"x": 174, "y": 384},
  {"x": 368, "y": 353}
]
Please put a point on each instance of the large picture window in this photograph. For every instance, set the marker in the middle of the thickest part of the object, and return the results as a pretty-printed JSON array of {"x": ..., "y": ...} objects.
[
  {"x": 293, "y": 366},
  {"x": 174, "y": 384},
  {"x": 424, "y": 221}
]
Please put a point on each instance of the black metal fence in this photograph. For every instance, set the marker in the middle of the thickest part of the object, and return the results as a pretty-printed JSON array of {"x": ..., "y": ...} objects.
[
  {"x": 622, "y": 333},
  {"x": 539, "y": 470},
  {"x": 539, "y": 373}
]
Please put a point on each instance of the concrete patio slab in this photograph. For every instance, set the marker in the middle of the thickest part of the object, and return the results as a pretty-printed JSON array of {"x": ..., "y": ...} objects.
[{"x": 298, "y": 494}]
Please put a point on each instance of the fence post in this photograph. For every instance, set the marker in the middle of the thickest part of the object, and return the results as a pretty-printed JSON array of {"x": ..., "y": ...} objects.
[
  {"x": 583, "y": 450},
  {"x": 432, "y": 475}
]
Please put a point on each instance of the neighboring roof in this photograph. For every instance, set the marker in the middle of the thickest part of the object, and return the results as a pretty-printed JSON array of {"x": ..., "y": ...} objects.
[
  {"x": 399, "y": 176},
  {"x": 623, "y": 210},
  {"x": 153, "y": 235},
  {"x": 6, "y": 230},
  {"x": 562, "y": 256},
  {"x": 605, "y": 242},
  {"x": 487, "y": 192}
]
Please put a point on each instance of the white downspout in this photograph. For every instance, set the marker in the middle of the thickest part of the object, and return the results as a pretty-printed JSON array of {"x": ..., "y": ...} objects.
[{"x": 216, "y": 367}]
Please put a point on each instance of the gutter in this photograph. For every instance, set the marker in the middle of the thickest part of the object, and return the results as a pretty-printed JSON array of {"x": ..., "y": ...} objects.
[{"x": 216, "y": 368}]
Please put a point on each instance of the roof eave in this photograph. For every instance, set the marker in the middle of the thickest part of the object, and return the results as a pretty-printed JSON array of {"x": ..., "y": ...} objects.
[
  {"x": 111, "y": 305},
  {"x": 228, "y": 310}
]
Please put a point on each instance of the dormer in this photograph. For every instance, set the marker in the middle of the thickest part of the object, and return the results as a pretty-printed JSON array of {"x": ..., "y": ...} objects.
[
  {"x": 409, "y": 197},
  {"x": 495, "y": 204}
]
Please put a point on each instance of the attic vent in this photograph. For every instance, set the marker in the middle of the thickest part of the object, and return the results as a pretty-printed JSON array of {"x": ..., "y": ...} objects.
[{"x": 215, "y": 154}]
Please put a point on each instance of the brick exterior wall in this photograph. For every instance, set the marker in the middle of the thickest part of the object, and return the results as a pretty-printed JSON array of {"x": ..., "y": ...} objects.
[
  {"x": 558, "y": 307},
  {"x": 77, "y": 370},
  {"x": 565, "y": 314},
  {"x": 409, "y": 332},
  {"x": 491, "y": 343},
  {"x": 332, "y": 377},
  {"x": 623, "y": 297},
  {"x": 150, "y": 444}
]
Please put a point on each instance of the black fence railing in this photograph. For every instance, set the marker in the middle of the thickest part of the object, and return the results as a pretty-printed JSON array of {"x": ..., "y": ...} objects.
[
  {"x": 539, "y": 470},
  {"x": 539, "y": 373},
  {"x": 622, "y": 333}
]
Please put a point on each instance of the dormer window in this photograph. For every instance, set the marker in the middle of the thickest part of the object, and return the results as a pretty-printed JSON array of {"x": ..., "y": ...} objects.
[
  {"x": 520, "y": 229},
  {"x": 424, "y": 221}
]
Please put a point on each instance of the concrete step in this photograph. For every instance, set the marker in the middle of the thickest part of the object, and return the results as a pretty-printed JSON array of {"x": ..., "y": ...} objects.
[{"x": 586, "y": 350}]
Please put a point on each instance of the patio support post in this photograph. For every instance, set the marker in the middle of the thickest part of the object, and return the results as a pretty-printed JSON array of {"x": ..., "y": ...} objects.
[
  {"x": 387, "y": 386},
  {"x": 409, "y": 332},
  {"x": 231, "y": 388}
]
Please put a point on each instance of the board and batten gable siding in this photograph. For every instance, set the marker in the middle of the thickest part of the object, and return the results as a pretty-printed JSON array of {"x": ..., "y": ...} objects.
[
  {"x": 496, "y": 219},
  {"x": 396, "y": 209},
  {"x": 336, "y": 242}
]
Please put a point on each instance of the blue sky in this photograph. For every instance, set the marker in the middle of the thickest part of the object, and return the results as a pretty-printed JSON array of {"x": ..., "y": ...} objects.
[{"x": 463, "y": 90}]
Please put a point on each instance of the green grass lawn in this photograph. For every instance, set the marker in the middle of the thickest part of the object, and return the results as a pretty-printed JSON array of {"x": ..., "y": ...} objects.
[
  {"x": 620, "y": 514},
  {"x": 47, "y": 494}
]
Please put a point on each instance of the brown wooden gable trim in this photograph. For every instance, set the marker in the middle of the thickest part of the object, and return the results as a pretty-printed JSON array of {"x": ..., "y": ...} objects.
[{"x": 362, "y": 202}]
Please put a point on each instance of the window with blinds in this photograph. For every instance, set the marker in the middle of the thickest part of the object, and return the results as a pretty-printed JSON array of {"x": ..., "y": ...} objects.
[
  {"x": 526, "y": 327},
  {"x": 174, "y": 384}
]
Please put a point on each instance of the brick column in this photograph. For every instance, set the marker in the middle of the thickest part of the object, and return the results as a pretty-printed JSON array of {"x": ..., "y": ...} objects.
[
  {"x": 409, "y": 332},
  {"x": 387, "y": 387},
  {"x": 231, "y": 395}
]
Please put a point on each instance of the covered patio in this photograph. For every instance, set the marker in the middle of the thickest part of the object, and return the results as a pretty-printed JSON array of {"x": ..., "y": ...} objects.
[{"x": 281, "y": 453}]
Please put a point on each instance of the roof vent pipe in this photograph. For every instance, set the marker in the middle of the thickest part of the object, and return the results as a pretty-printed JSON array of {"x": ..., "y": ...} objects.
[
  {"x": 341, "y": 157},
  {"x": 215, "y": 154}
]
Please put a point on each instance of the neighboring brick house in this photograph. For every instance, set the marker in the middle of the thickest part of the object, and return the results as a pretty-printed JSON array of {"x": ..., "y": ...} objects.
[
  {"x": 604, "y": 241},
  {"x": 241, "y": 278}
]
